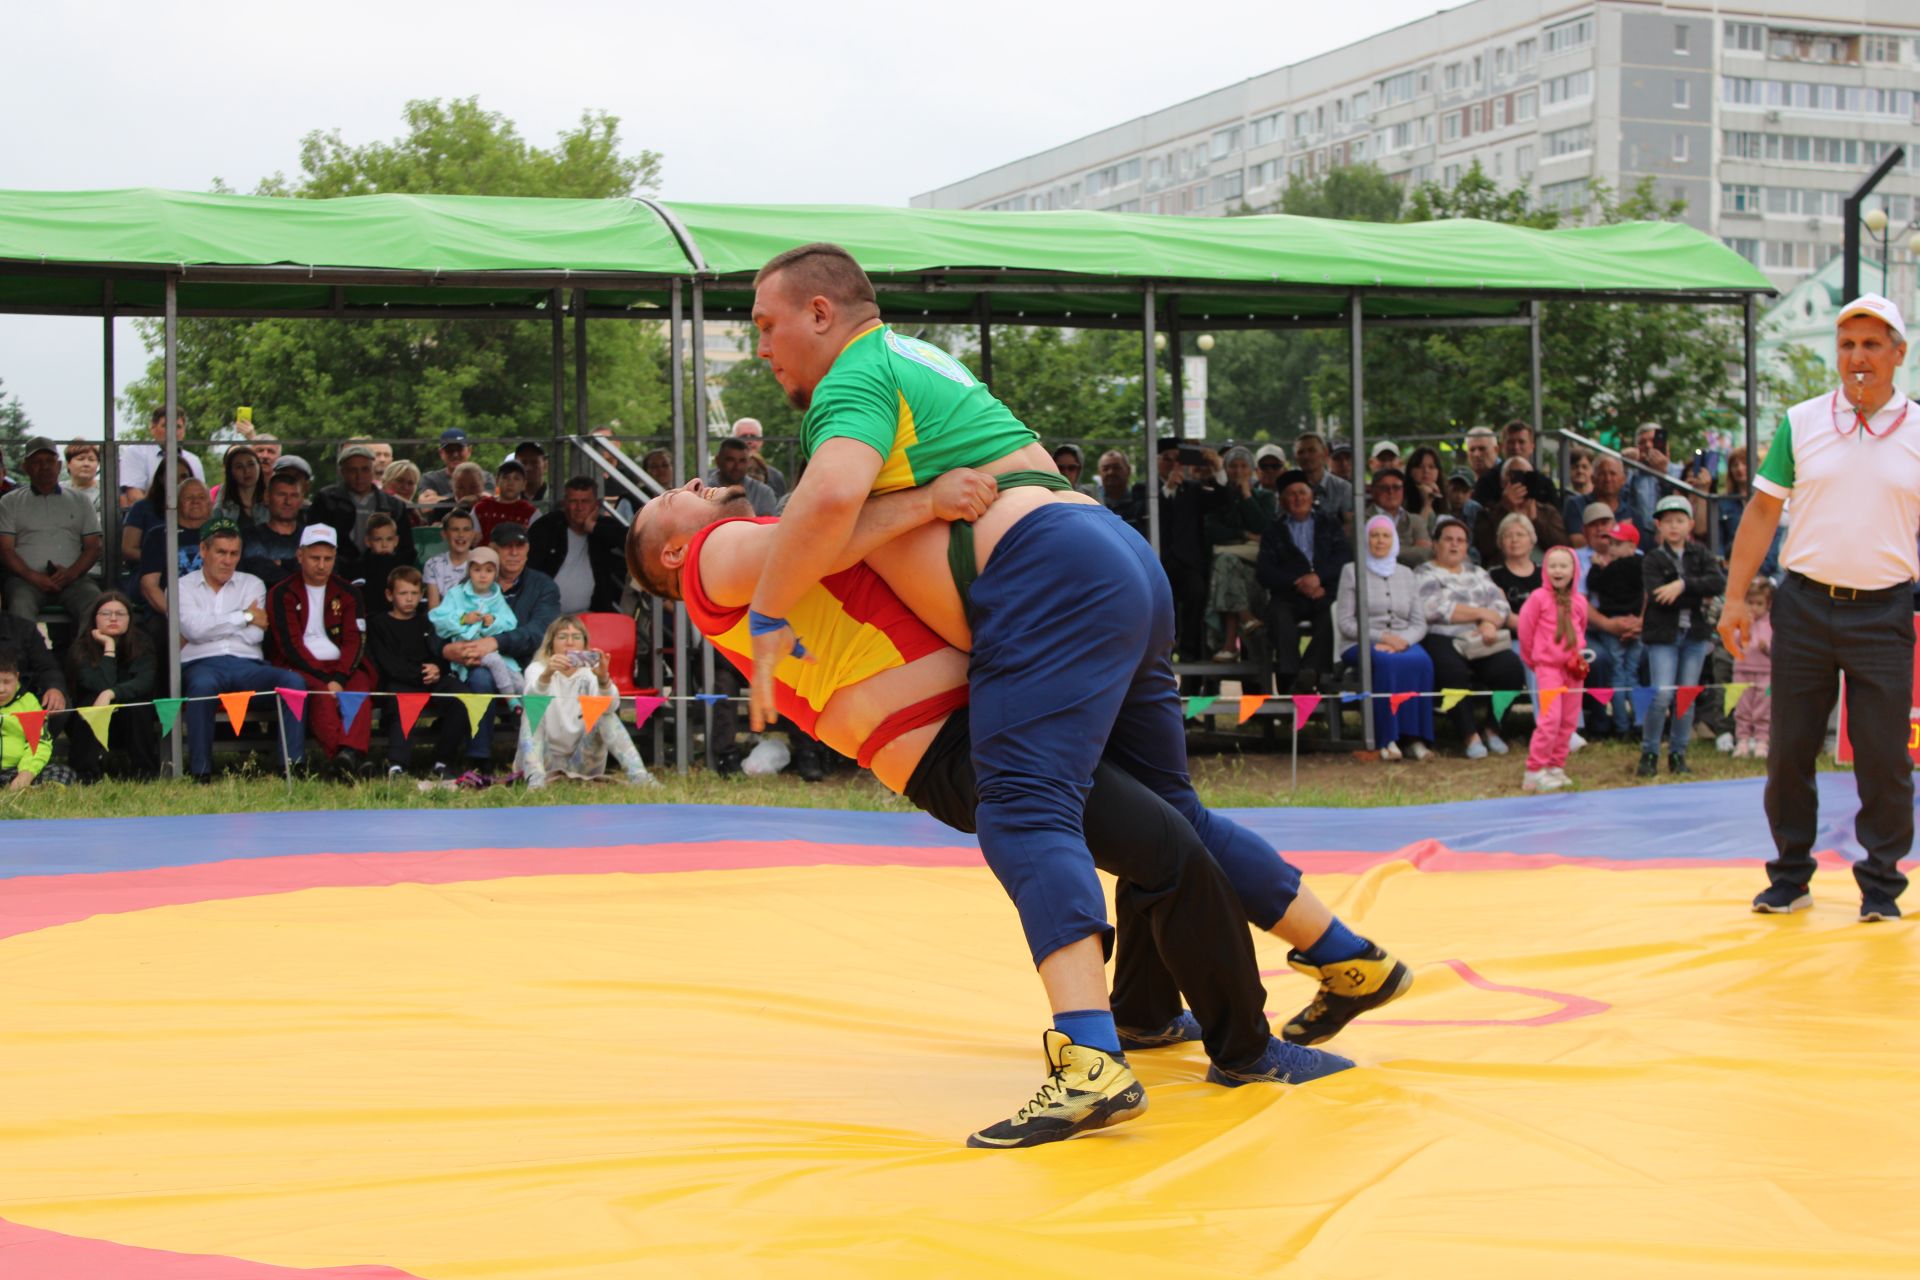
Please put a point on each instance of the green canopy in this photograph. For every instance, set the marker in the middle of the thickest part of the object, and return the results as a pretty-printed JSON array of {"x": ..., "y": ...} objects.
[{"x": 77, "y": 252}]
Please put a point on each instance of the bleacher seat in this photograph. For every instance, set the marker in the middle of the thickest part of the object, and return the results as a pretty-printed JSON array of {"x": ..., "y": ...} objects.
[
  {"x": 614, "y": 634},
  {"x": 429, "y": 541}
]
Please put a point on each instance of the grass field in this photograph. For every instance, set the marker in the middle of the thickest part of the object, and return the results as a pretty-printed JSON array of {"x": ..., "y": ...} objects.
[{"x": 1226, "y": 779}]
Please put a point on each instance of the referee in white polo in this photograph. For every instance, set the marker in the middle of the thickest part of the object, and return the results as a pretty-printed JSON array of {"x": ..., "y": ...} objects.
[{"x": 1850, "y": 463}]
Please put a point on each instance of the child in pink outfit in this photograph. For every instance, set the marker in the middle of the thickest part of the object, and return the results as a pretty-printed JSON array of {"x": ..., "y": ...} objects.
[
  {"x": 1553, "y": 631},
  {"x": 1753, "y": 714}
]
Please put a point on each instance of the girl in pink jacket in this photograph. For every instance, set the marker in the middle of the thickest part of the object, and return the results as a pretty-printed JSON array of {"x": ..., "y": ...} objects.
[{"x": 1553, "y": 632}]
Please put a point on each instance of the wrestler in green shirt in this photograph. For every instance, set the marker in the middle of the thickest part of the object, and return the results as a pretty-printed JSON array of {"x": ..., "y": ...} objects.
[{"x": 915, "y": 405}]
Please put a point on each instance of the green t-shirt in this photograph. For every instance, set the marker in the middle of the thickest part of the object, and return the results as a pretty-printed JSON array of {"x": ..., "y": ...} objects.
[
  {"x": 1777, "y": 466},
  {"x": 918, "y": 407}
]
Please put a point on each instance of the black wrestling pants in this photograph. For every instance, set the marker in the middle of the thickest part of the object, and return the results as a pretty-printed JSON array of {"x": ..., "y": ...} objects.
[{"x": 1173, "y": 903}]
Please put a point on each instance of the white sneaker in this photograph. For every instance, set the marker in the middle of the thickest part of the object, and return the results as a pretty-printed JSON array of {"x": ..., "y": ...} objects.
[
  {"x": 1476, "y": 749},
  {"x": 1554, "y": 779},
  {"x": 1533, "y": 780},
  {"x": 1390, "y": 752},
  {"x": 1419, "y": 750},
  {"x": 1495, "y": 743},
  {"x": 1575, "y": 743},
  {"x": 1724, "y": 744}
]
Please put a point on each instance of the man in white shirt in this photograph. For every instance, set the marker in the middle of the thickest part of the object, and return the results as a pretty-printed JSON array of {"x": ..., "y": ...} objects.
[
  {"x": 138, "y": 462},
  {"x": 223, "y": 620},
  {"x": 1850, "y": 462}
]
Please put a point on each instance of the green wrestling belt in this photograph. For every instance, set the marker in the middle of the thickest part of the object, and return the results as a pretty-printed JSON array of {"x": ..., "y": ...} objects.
[{"x": 960, "y": 558}]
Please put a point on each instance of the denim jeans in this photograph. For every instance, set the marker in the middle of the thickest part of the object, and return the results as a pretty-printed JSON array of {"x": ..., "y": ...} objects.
[
  {"x": 225, "y": 673},
  {"x": 1670, "y": 665},
  {"x": 1616, "y": 666}
]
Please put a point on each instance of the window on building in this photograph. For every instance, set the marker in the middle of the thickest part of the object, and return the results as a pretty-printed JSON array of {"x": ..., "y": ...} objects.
[
  {"x": 1811, "y": 46},
  {"x": 1683, "y": 94},
  {"x": 1362, "y": 105},
  {"x": 1450, "y": 77},
  {"x": 1395, "y": 89},
  {"x": 1525, "y": 53},
  {"x": 1499, "y": 113},
  {"x": 1450, "y": 126},
  {"x": 1358, "y": 149},
  {"x": 1426, "y": 82},
  {"x": 1156, "y": 168},
  {"x": 1680, "y": 148},
  {"x": 1526, "y": 105},
  {"x": 1302, "y": 123},
  {"x": 1426, "y": 130},
  {"x": 1569, "y": 36},
  {"x": 1228, "y": 186},
  {"x": 1738, "y": 197},
  {"x": 1566, "y": 142},
  {"x": 1339, "y": 110},
  {"x": 1682, "y": 38},
  {"x": 1744, "y": 37},
  {"x": 1479, "y": 68},
  {"x": 1226, "y": 142},
  {"x": 1569, "y": 88},
  {"x": 1745, "y": 247},
  {"x": 1523, "y": 162},
  {"x": 1880, "y": 49},
  {"x": 1450, "y": 176},
  {"x": 1499, "y": 164},
  {"x": 1320, "y": 118},
  {"x": 1567, "y": 197},
  {"x": 1500, "y": 60}
]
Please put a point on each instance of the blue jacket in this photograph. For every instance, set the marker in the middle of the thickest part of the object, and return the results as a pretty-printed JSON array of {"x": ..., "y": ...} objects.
[
  {"x": 1281, "y": 565},
  {"x": 536, "y": 603}
]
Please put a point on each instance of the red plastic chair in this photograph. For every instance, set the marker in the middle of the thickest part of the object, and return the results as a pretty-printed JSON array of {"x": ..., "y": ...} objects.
[{"x": 614, "y": 634}]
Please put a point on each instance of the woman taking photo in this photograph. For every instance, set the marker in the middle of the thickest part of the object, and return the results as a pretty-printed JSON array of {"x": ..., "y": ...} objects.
[
  {"x": 243, "y": 490},
  {"x": 1468, "y": 636}
]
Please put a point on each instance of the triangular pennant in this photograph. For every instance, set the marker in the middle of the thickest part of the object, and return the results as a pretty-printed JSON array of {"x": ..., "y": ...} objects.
[
  {"x": 350, "y": 700},
  {"x": 1731, "y": 694},
  {"x": 1683, "y": 698},
  {"x": 711, "y": 698},
  {"x": 410, "y": 705},
  {"x": 1602, "y": 696},
  {"x": 1397, "y": 700},
  {"x": 296, "y": 700},
  {"x": 1304, "y": 705},
  {"x": 535, "y": 705},
  {"x": 1250, "y": 703},
  {"x": 100, "y": 720},
  {"x": 644, "y": 706},
  {"x": 30, "y": 724},
  {"x": 236, "y": 705},
  {"x": 1352, "y": 697},
  {"x": 1550, "y": 696},
  {"x": 168, "y": 709},
  {"x": 1502, "y": 699},
  {"x": 1450, "y": 698},
  {"x": 476, "y": 705},
  {"x": 1197, "y": 706},
  {"x": 1642, "y": 699},
  {"x": 592, "y": 707}
]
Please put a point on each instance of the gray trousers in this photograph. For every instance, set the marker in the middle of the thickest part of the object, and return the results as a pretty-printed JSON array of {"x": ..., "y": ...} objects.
[
  {"x": 23, "y": 601},
  {"x": 1815, "y": 640}
]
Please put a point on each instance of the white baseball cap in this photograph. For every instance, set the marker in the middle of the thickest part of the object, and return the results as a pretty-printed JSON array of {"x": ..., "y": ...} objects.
[
  {"x": 1872, "y": 304},
  {"x": 318, "y": 533}
]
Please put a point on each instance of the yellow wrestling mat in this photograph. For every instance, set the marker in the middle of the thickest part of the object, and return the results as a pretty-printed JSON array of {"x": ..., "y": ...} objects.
[{"x": 770, "y": 1072}]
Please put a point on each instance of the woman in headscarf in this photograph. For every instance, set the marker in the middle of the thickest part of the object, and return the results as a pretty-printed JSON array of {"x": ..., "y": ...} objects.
[
  {"x": 1241, "y": 513},
  {"x": 1395, "y": 625}
]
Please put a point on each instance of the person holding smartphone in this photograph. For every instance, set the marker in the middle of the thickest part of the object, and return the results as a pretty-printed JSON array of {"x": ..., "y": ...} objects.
[{"x": 571, "y": 740}]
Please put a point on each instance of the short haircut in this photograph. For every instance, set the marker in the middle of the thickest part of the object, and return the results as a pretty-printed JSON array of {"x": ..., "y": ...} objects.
[
  {"x": 1479, "y": 433},
  {"x": 510, "y": 465},
  {"x": 1514, "y": 520},
  {"x": 9, "y": 660},
  {"x": 287, "y": 476},
  {"x": 733, "y": 444},
  {"x": 403, "y": 573},
  {"x": 1390, "y": 472},
  {"x": 223, "y": 532},
  {"x": 381, "y": 520},
  {"x": 825, "y": 271},
  {"x": 460, "y": 513},
  {"x": 1762, "y": 587},
  {"x": 78, "y": 447},
  {"x": 159, "y": 414},
  {"x": 1515, "y": 427},
  {"x": 1309, "y": 435},
  {"x": 581, "y": 484}
]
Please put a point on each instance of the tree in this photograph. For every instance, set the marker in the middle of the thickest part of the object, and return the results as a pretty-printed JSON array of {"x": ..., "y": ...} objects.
[
  {"x": 1355, "y": 193},
  {"x": 15, "y": 427},
  {"x": 412, "y": 379}
]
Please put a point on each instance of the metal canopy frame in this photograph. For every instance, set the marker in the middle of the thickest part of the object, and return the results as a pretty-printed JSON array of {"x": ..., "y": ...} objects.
[{"x": 555, "y": 294}]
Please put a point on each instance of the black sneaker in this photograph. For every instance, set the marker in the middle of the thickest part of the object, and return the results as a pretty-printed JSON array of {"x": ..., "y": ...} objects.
[
  {"x": 1182, "y": 1029},
  {"x": 1876, "y": 906},
  {"x": 1348, "y": 988},
  {"x": 1784, "y": 899},
  {"x": 440, "y": 772},
  {"x": 1677, "y": 763},
  {"x": 1649, "y": 765}
]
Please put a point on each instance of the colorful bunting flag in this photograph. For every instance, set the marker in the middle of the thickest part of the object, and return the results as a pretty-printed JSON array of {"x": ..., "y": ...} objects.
[
  {"x": 1395, "y": 701},
  {"x": 1502, "y": 699},
  {"x": 1249, "y": 704},
  {"x": 1642, "y": 699},
  {"x": 1451, "y": 698},
  {"x": 1602, "y": 696},
  {"x": 410, "y": 706},
  {"x": 1683, "y": 698},
  {"x": 30, "y": 724},
  {"x": 1304, "y": 705},
  {"x": 1731, "y": 694},
  {"x": 1352, "y": 697},
  {"x": 711, "y": 698},
  {"x": 350, "y": 702},
  {"x": 476, "y": 705},
  {"x": 644, "y": 706},
  {"x": 168, "y": 709},
  {"x": 296, "y": 700},
  {"x": 1550, "y": 696},
  {"x": 236, "y": 705},
  {"x": 1197, "y": 706},
  {"x": 535, "y": 705},
  {"x": 100, "y": 720},
  {"x": 592, "y": 707}
]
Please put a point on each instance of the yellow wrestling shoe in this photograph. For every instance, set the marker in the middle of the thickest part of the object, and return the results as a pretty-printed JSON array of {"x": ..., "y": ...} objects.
[
  {"x": 1086, "y": 1089},
  {"x": 1348, "y": 988}
]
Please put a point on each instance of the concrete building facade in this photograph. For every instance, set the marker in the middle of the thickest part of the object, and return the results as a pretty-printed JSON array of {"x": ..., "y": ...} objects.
[{"x": 1762, "y": 117}]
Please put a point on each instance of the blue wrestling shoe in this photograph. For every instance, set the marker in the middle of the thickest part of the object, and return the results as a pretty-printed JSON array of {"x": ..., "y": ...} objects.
[
  {"x": 1282, "y": 1063},
  {"x": 1182, "y": 1029}
]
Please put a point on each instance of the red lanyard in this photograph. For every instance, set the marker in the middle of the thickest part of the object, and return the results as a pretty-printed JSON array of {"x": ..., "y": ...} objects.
[{"x": 1860, "y": 419}]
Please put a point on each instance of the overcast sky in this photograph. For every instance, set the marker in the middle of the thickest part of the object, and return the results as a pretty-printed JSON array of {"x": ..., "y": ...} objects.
[{"x": 746, "y": 101}]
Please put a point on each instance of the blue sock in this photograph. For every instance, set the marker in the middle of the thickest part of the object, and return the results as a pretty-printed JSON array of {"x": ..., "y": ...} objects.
[
  {"x": 1090, "y": 1027},
  {"x": 1336, "y": 944}
]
